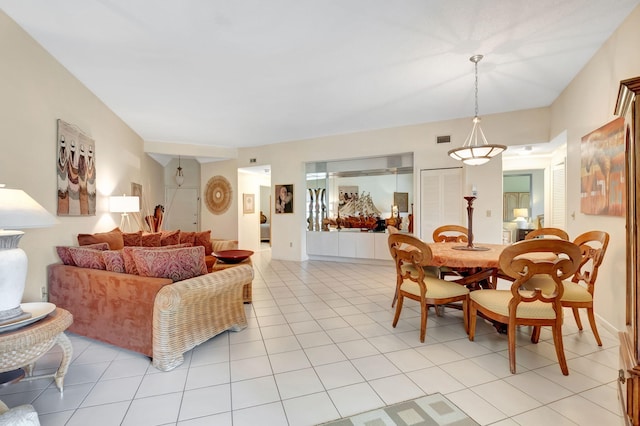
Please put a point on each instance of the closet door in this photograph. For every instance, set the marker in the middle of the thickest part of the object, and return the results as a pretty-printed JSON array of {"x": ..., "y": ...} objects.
[{"x": 440, "y": 195}]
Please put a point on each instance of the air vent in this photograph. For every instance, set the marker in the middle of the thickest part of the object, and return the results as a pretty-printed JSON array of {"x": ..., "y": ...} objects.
[{"x": 443, "y": 139}]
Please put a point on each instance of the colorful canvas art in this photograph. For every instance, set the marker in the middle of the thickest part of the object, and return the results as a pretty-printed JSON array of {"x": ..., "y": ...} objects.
[{"x": 602, "y": 172}]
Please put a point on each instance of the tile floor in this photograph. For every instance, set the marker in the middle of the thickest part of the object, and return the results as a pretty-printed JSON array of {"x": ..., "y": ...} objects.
[{"x": 320, "y": 346}]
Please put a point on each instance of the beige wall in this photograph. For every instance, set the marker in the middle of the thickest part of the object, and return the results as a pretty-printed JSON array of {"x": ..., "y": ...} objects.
[
  {"x": 36, "y": 91},
  {"x": 585, "y": 105}
]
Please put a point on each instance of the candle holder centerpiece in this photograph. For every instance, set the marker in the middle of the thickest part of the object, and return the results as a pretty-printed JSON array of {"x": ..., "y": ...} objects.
[{"x": 470, "y": 245}]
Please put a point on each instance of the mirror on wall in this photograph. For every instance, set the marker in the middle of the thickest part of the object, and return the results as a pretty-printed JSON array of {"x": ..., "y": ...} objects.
[{"x": 363, "y": 189}]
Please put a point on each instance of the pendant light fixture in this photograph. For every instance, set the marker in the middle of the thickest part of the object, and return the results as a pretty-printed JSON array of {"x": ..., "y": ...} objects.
[
  {"x": 476, "y": 150},
  {"x": 179, "y": 175}
]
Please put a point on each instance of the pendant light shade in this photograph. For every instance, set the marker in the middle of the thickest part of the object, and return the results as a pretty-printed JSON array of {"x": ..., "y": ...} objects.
[
  {"x": 476, "y": 150},
  {"x": 179, "y": 174}
]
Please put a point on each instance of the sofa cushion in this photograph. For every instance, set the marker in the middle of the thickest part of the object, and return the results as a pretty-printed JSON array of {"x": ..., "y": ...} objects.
[
  {"x": 87, "y": 257},
  {"x": 132, "y": 238},
  {"x": 114, "y": 260},
  {"x": 170, "y": 238},
  {"x": 175, "y": 263},
  {"x": 187, "y": 237},
  {"x": 203, "y": 239},
  {"x": 65, "y": 254},
  {"x": 151, "y": 239},
  {"x": 113, "y": 238},
  {"x": 129, "y": 262}
]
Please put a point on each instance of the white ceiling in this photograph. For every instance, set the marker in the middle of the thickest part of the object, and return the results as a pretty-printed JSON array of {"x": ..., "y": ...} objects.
[{"x": 253, "y": 72}]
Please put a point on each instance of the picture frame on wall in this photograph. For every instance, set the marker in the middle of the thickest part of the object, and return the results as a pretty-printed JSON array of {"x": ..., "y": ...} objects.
[
  {"x": 284, "y": 199},
  {"x": 248, "y": 203},
  {"x": 602, "y": 170},
  {"x": 76, "y": 171}
]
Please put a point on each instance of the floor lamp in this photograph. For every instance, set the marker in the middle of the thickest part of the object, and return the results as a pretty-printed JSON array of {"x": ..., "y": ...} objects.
[
  {"x": 124, "y": 205},
  {"x": 17, "y": 211}
]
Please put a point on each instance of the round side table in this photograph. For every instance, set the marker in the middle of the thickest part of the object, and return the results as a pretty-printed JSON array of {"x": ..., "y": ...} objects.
[{"x": 21, "y": 348}]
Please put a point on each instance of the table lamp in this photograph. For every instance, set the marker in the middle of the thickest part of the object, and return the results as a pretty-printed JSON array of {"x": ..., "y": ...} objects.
[
  {"x": 124, "y": 205},
  {"x": 521, "y": 217},
  {"x": 17, "y": 211}
]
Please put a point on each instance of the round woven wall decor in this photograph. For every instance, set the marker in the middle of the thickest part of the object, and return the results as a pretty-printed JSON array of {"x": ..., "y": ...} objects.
[{"x": 218, "y": 194}]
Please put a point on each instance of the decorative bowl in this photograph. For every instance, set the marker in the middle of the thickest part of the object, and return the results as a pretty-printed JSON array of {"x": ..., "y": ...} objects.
[{"x": 232, "y": 256}]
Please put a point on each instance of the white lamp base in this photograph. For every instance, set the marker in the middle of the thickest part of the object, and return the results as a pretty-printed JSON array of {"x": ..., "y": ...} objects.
[{"x": 13, "y": 275}]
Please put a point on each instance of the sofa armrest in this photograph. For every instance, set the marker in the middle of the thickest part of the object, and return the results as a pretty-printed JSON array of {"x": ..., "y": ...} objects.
[
  {"x": 220, "y": 244},
  {"x": 192, "y": 311}
]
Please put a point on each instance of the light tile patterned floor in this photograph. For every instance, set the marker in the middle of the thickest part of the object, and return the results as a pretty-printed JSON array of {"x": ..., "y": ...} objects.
[{"x": 320, "y": 346}]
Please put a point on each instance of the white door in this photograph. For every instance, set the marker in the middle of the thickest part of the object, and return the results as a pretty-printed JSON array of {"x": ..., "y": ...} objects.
[
  {"x": 181, "y": 209},
  {"x": 440, "y": 195}
]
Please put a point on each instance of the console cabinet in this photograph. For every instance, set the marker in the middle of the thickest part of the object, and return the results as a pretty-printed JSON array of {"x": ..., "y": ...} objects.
[{"x": 348, "y": 244}]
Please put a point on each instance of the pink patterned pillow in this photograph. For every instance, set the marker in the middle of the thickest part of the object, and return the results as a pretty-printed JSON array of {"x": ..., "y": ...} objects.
[
  {"x": 175, "y": 263},
  {"x": 65, "y": 254},
  {"x": 129, "y": 262},
  {"x": 87, "y": 257},
  {"x": 114, "y": 260}
]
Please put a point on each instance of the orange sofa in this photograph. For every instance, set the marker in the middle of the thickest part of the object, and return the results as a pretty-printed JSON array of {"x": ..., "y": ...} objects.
[{"x": 152, "y": 316}]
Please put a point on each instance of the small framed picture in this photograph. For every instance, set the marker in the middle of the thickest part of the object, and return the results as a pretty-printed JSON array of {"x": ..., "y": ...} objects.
[
  {"x": 248, "y": 203},
  {"x": 284, "y": 198}
]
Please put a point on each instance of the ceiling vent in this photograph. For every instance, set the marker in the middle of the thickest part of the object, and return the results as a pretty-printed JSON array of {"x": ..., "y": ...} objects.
[{"x": 443, "y": 139}]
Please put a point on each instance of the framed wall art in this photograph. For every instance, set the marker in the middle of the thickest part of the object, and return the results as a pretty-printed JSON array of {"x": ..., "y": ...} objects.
[
  {"x": 602, "y": 170},
  {"x": 284, "y": 198},
  {"x": 248, "y": 203},
  {"x": 76, "y": 172}
]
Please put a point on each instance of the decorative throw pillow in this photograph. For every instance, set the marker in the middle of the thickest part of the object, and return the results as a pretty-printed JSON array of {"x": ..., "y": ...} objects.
[
  {"x": 204, "y": 239},
  {"x": 129, "y": 262},
  {"x": 65, "y": 254},
  {"x": 151, "y": 239},
  {"x": 175, "y": 263},
  {"x": 113, "y": 237},
  {"x": 187, "y": 237},
  {"x": 169, "y": 238},
  {"x": 132, "y": 238},
  {"x": 87, "y": 257},
  {"x": 114, "y": 260}
]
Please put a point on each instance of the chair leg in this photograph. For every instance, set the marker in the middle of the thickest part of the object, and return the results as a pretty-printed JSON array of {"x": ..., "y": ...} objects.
[
  {"x": 398, "y": 309},
  {"x": 576, "y": 315},
  {"x": 473, "y": 316},
  {"x": 423, "y": 321},
  {"x": 557, "y": 341},
  {"x": 511, "y": 337},
  {"x": 395, "y": 298},
  {"x": 465, "y": 314},
  {"x": 535, "y": 334},
  {"x": 594, "y": 329}
]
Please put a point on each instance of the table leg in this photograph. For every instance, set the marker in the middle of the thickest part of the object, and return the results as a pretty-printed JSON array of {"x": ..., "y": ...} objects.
[{"x": 67, "y": 352}]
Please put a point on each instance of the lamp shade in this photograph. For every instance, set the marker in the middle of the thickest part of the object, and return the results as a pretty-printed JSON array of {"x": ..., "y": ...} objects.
[
  {"x": 18, "y": 210},
  {"x": 521, "y": 213},
  {"x": 124, "y": 204}
]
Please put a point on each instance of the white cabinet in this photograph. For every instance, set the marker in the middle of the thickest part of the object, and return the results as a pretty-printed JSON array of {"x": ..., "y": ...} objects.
[
  {"x": 322, "y": 243},
  {"x": 348, "y": 244}
]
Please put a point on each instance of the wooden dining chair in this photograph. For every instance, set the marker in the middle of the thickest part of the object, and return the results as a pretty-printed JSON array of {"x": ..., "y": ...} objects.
[
  {"x": 451, "y": 234},
  {"x": 547, "y": 233},
  {"x": 579, "y": 291},
  {"x": 534, "y": 298},
  {"x": 411, "y": 255}
]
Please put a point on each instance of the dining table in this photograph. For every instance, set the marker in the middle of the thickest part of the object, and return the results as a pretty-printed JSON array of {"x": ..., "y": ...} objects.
[{"x": 479, "y": 266}]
